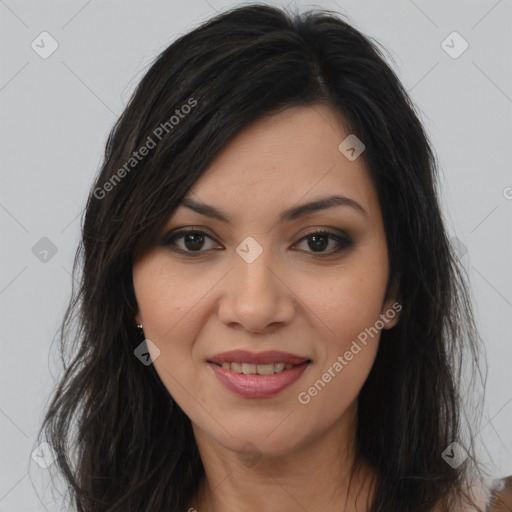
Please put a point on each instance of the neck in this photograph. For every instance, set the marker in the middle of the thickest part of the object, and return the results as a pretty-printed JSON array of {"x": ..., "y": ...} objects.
[{"x": 322, "y": 475}]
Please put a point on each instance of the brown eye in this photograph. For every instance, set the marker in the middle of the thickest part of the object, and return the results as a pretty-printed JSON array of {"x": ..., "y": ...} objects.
[
  {"x": 318, "y": 241},
  {"x": 191, "y": 241}
]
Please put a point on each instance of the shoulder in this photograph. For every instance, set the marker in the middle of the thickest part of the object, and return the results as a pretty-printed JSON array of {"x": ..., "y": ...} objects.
[{"x": 500, "y": 499}]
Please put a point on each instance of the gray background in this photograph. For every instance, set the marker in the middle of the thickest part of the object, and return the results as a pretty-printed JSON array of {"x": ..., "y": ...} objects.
[{"x": 55, "y": 117}]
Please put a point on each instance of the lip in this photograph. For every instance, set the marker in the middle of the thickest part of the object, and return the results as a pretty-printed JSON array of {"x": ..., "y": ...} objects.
[
  {"x": 267, "y": 357},
  {"x": 258, "y": 386}
]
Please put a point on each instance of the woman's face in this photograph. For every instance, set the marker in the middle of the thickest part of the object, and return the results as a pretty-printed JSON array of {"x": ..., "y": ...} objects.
[{"x": 260, "y": 281}]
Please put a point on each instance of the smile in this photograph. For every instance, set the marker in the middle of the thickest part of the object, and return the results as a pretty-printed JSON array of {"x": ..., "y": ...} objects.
[
  {"x": 257, "y": 369},
  {"x": 260, "y": 375}
]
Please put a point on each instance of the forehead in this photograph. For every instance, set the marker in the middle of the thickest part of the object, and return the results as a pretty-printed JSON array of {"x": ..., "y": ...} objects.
[{"x": 289, "y": 158}]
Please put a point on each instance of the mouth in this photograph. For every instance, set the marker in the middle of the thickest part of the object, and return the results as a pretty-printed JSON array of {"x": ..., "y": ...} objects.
[
  {"x": 258, "y": 369},
  {"x": 258, "y": 375},
  {"x": 262, "y": 363}
]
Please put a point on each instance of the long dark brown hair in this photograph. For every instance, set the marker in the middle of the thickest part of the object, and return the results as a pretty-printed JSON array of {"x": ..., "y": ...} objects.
[{"x": 123, "y": 444}]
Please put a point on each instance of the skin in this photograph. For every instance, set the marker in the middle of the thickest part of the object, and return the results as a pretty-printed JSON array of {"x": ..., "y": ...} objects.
[{"x": 290, "y": 298}]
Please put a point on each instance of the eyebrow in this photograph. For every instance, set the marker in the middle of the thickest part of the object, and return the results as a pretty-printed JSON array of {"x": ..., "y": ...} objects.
[{"x": 288, "y": 215}]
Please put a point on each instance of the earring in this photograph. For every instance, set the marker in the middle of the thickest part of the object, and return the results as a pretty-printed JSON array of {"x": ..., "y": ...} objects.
[{"x": 139, "y": 326}]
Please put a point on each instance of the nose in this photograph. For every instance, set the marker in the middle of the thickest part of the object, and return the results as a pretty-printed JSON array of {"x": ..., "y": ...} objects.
[{"x": 257, "y": 296}]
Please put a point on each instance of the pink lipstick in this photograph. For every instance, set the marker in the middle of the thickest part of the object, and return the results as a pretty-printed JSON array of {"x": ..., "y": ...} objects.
[{"x": 257, "y": 375}]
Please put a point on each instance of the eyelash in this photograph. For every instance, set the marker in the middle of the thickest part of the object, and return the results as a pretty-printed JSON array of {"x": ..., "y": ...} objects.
[{"x": 170, "y": 238}]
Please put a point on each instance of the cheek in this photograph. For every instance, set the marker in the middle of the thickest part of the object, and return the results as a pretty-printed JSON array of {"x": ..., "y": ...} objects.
[
  {"x": 172, "y": 310},
  {"x": 348, "y": 304},
  {"x": 348, "y": 327},
  {"x": 349, "y": 341},
  {"x": 166, "y": 297}
]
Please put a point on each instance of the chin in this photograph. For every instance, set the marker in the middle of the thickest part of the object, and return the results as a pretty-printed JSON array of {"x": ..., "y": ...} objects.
[{"x": 261, "y": 438}]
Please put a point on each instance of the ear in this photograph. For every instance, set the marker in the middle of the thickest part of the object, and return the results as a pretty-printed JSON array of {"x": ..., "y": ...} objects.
[
  {"x": 392, "y": 306},
  {"x": 138, "y": 318}
]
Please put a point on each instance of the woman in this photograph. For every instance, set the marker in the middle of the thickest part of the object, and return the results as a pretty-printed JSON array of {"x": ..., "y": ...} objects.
[{"x": 270, "y": 314}]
